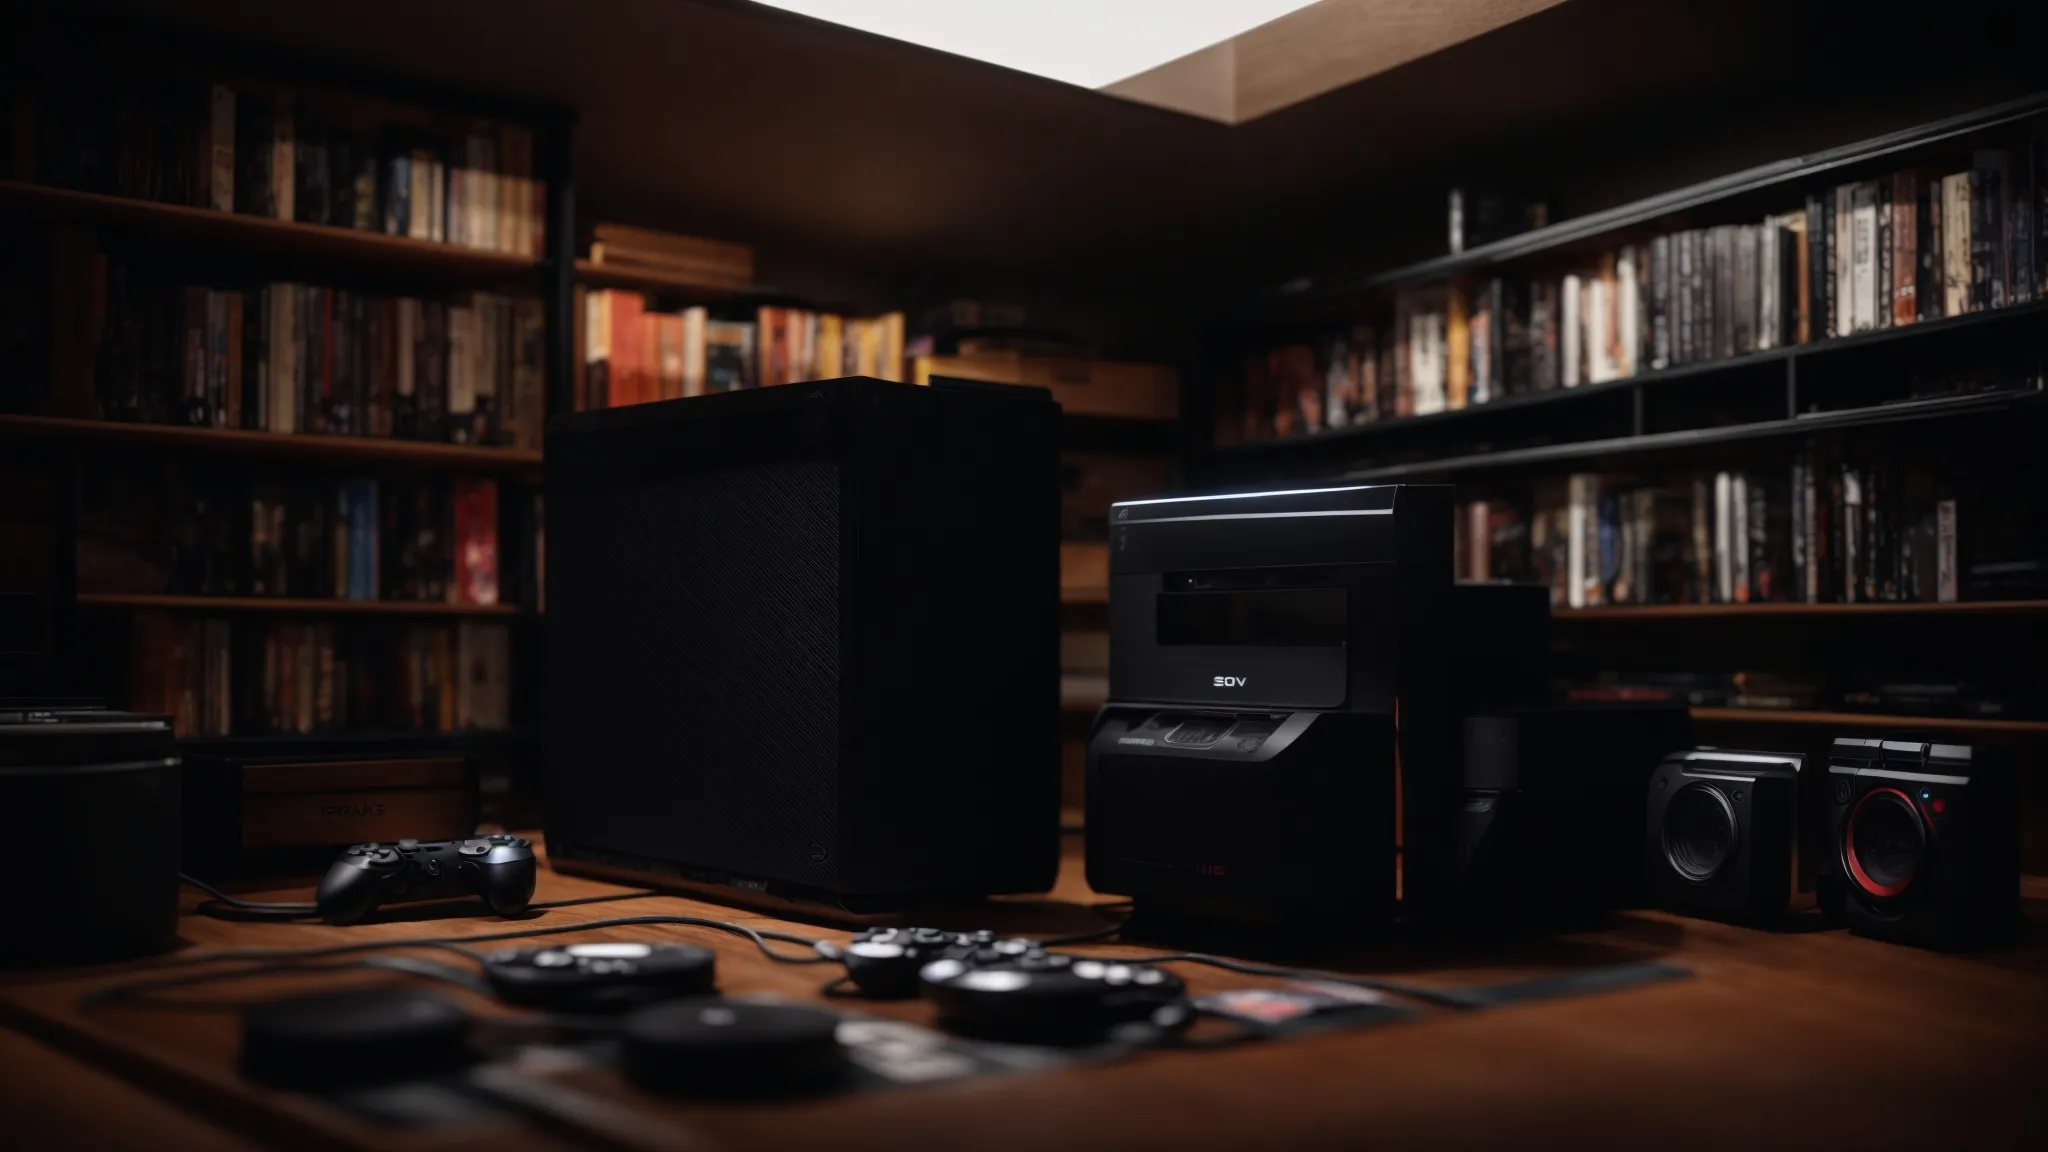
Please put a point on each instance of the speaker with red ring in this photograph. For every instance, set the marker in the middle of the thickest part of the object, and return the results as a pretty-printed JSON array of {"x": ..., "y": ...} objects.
[
  {"x": 1924, "y": 843},
  {"x": 1723, "y": 835}
]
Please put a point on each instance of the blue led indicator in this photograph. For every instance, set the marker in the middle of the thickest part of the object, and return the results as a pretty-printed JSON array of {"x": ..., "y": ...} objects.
[{"x": 1924, "y": 793}]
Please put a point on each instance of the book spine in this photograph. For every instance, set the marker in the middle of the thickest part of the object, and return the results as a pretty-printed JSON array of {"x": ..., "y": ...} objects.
[
  {"x": 1945, "y": 572},
  {"x": 2022, "y": 271},
  {"x": 1571, "y": 329},
  {"x": 1987, "y": 232},
  {"x": 1660, "y": 302},
  {"x": 1770, "y": 309},
  {"x": 1862, "y": 311},
  {"x": 1929, "y": 291},
  {"x": 1819, "y": 321},
  {"x": 1881, "y": 288},
  {"x": 1738, "y": 537},
  {"x": 221, "y": 168},
  {"x": 1906, "y": 232},
  {"x": 1743, "y": 292},
  {"x": 1579, "y": 556},
  {"x": 1955, "y": 239}
]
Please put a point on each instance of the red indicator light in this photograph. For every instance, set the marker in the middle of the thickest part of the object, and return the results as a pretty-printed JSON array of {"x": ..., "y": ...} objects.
[{"x": 1940, "y": 805}]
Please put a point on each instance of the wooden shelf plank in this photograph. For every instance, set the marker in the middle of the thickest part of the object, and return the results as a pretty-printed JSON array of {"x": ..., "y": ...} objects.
[
  {"x": 245, "y": 232},
  {"x": 298, "y": 446},
  {"x": 1651, "y": 379},
  {"x": 596, "y": 275},
  {"x": 1565, "y": 234},
  {"x": 291, "y": 605},
  {"x": 1776, "y": 610},
  {"x": 1865, "y": 720}
]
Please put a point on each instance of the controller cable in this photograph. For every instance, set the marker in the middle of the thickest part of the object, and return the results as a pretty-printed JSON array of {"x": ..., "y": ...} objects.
[{"x": 225, "y": 907}]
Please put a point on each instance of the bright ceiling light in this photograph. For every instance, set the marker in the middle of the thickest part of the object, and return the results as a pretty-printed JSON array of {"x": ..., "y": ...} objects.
[{"x": 1091, "y": 43}]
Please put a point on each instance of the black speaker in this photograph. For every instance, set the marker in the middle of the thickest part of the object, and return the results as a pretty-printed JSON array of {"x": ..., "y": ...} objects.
[
  {"x": 803, "y": 641},
  {"x": 1925, "y": 842},
  {"x": 1723, "y": 835}
]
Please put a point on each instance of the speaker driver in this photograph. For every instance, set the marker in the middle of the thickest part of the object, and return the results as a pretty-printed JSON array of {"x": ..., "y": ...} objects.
[
  {"x": 1699, "y": 832},
  {"x": 1884, "y": 842}
]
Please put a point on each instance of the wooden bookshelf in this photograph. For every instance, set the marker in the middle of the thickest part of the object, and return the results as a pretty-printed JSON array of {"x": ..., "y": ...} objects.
[
  {"x": 365, "y": 451},
  {"x": 1783, "y": 611},
  {"x": 1866, "y": 720},
  {"x": 594, "y": 275},
  {"x": 290, "y": 605},
  {"x": 262, "y": 235}
]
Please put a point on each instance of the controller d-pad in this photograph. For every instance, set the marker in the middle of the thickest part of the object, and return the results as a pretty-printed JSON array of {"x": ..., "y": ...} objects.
[
  {"x": 408, "y": 845},
  {"x": 474, "y": 848}
]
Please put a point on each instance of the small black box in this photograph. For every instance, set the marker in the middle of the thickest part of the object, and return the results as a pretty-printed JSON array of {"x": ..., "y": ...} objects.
[{"x": 803, "y": 641}]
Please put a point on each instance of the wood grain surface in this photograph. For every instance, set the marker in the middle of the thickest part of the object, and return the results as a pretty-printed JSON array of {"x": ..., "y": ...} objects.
[{"x": 1807, "y": 1038}]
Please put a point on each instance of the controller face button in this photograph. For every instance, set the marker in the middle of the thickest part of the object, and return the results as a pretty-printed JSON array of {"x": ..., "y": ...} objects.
[
  {"x": 1117, "y": 974},
  {"x": 994, "y": 980},
  {"x": 1088, "y": 969},
  {"x": 1014, "y": 947},
  {"x": 1150, "y": 976},
  {"x": 871, "y": 950},
  {"x": 942, "y": 970},
  {"x": 928, "y": 936}
]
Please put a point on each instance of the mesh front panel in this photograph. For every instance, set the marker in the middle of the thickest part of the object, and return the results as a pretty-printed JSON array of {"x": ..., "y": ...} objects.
[{"x": 693, "y": 643}]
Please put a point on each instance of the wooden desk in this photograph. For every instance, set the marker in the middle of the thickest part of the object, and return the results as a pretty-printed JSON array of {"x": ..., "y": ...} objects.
[{"x": 1810, "y": 1040}]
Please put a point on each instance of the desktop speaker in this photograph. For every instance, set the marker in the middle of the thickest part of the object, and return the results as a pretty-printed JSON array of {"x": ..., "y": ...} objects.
[
  {"x": 802, "y": 642},
  {"x": 1925, "y": 843},
  {"x": 1723, "y": 835}
]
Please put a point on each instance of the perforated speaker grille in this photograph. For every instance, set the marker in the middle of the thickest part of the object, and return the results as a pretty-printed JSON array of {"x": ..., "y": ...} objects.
[{"x": 693, "y": 631}]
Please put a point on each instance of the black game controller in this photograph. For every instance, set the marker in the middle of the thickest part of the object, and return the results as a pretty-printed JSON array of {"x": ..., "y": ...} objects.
[
  {"x": 883, "y": 962},
  {"x": 599, "y": 977},
  {"x": 499, "y": 869},
  {"x": 1051, "y": 997}
]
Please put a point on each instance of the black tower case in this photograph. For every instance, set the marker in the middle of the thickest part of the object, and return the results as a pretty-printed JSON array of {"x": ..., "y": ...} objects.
[{"x": 803, "y": 641}]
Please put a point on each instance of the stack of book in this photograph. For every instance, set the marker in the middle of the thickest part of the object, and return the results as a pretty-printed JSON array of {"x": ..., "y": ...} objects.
[
  {"x": 429, "y": 540},
  {"x": 1832, "y": 530},
  {"x": 684, "y": 259},
  {"x": 217, "y": 678},
  {"x": 271, "y": 151},
  {"x": 130, "y": 343},
  {"x": 1916, "y": 245}
]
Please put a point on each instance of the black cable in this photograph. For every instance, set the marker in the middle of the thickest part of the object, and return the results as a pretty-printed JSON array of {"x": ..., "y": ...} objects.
[
  {"x": 250, "y": 909},
  {"x": 1443, "y": 998},
  {"x": 1109, "y": 933}
]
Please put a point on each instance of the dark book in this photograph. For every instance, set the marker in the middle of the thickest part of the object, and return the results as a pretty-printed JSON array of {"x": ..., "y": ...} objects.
[
  {"x": 2039, "y": 169},
  {"x": 255, "y": 190},
  {"x": 341, "y": 191},
  {"x": 1512, "y": 352},
  {"x": 1928, "y": 289},
  {"x": 1543, "y": 336},
  {"x": 1660, "y": 302},
  {"x": 256, "y": 323},
  {"x": 1832, "y": 292},
  {"x": 1721, "y": 302},
  {"x": 1906, "y": 233},
  {"x": 1742, "y": 317},
  {"x": 2022, "y": 265},
  {"x": 311, "y": 185},
  {"x": 1684, "y": 297},
  {"x": 430, "y": 373},
  {"x": 1818, "y": 229},
  {"x": 1883, "y": 289},
  {"x": 1988, "y": 247}
]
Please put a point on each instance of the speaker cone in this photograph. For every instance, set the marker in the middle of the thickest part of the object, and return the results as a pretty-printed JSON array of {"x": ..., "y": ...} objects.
[
  {"x": 1699, "y": 831},
  {"x": 1883, "y": 842}
]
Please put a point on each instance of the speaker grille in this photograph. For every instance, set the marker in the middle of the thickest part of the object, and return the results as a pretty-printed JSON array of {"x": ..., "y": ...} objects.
[{"x": 693, "y": 633}]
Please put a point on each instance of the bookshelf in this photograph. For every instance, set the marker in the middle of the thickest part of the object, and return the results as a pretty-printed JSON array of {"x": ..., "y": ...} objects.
[
  {"x": 136, "y": 213},
  {"x": 1938, "y": 411},
  {"x": 290, "y": 606},
  {"x": 350, "y": 451},
  {"x": 282, "y": 240}
]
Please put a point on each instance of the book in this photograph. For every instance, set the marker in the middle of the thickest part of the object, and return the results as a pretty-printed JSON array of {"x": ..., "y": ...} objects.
[
  {"x": 1842, "y": 287},
  {"x": 475, "y": 504},
  {"x": 729, "y": 355},
  {"x": 1457, "y": 349},
  {"x": 1544, "y": 336},
  {"x": 1905, "y": 254},
  {"x": 1957, "y": 241},
  {"x": 1929, "y": 288},
  {"x": 1820, "y": 316},
  {"x": 1571, "y": 332},
  {"x": 1945, "y": 567},
  {"x": 1863, "y": 265},
  {"x": 1881, "y": 288},
  {"x": 1989, "y": 245},
  {"x": 1660, "y": 302},
  {"x": 1744, "y": 296}
]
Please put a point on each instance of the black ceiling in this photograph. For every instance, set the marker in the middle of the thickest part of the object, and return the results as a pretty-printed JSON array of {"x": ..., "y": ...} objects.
[{"x": 921, "y": 169}]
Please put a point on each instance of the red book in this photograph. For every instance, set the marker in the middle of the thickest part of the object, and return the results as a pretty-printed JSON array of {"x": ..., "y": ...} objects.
[
  {"x": 476, "y": 542},
  {"x": 628, "y": 309}
]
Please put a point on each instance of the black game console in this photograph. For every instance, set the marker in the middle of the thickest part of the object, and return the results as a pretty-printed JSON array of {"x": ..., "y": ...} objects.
[
  {"x": 1279, "y": 708},
  {"x": 803, "y": 643}
]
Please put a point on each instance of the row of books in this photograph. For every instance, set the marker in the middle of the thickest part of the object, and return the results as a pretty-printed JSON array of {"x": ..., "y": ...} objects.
[
  {"x": 711, "y": 263},
  {"x": 430, "y": 540},
  {"x": 215, "y": 677},
  {"x": 270, "y": 151},
  {"x": 633, "y": 355},
  {"x": 1914, "y": 246},
  {"x": 131, "y": 343},
  {"x": 1830, "y": 531}
]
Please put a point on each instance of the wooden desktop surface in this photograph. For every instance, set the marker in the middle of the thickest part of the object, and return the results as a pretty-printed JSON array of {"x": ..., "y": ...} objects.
[{"x": 1801, "y": 1039}]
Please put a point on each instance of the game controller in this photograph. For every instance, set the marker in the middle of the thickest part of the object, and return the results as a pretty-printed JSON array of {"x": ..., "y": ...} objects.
[
  {"x": 499, "y": 869},
  {"x": 884, "y": 962},
  {"x": 600, "y": 976},
  {"x": 1051, "y": 997}
]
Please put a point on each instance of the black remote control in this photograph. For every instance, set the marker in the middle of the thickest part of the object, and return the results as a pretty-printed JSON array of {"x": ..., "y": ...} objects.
[
  {"x": 601, "y": 976},
  {"x": 500, "y": 869}
]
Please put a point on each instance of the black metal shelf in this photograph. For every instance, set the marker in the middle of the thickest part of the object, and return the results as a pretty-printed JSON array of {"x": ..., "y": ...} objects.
[
  {"x": 1566, "y": 233},
  {"x": 1911, "y": 410},
  {"x": 1731, "y": 365}
]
